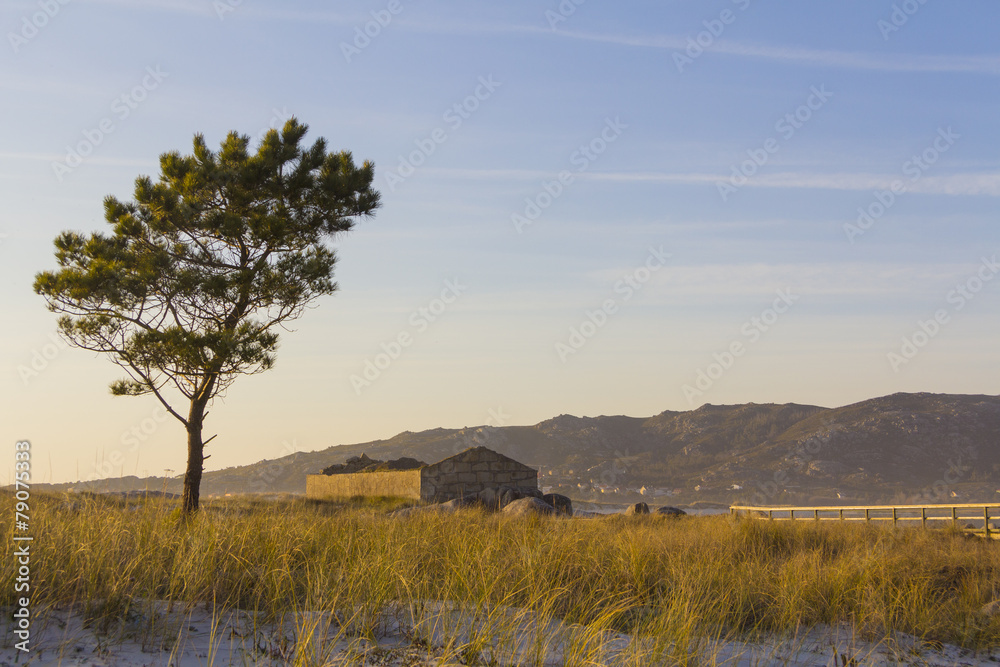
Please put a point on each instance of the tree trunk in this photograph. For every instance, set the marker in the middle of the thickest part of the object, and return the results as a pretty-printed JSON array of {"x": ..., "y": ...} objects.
[{"x": 196, "y": 458}]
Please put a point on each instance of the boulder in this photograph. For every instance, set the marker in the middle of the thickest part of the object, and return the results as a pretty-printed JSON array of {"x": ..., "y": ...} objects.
[
  {"x": 637, "y": 508},
  {"x": 528, "y": 506},
  {"x": 471, "y": 500},
  {"x": 415, "y": 510},
  {"x": 671, "y": 511},
  {"x": 490, "y": 498},
  {"x": 506, "y": 495},
  {"x": 403, "y": 463},
  {"x": 562, "y": 504},
  {"x": 364, "y": 463},
  {"x": 449, "y": 506}
]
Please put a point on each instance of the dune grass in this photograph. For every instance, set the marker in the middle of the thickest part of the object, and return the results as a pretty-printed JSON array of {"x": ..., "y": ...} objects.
[{"x": 674, "y": 583}]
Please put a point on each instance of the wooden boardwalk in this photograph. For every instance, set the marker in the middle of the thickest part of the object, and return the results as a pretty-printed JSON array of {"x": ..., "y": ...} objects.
[{"x": 970, "y": 517}]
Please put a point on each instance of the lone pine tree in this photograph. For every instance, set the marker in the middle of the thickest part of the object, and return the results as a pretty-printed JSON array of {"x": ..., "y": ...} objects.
[{"x": 200, "y": 269}]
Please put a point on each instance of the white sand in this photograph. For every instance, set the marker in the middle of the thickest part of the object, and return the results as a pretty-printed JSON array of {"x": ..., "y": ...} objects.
[{"x": 446, "y": 635}]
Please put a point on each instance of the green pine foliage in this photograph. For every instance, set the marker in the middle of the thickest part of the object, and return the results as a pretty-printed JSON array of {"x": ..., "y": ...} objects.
[{"x": 186, "y": 292}]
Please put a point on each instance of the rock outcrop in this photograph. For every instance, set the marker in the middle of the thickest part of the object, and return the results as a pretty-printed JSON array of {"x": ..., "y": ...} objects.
[
  {"x": 636, "y": 508},
  {"x": 528, "y": 506},
  {"x": 562, "y": 503},
  {"x": 505, "y": 499},
  {"x": 364, "y": 463},
  {"x": 671, "y": 511}
]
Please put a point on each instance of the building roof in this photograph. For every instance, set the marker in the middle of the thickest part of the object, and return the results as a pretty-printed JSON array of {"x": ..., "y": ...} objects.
[{"x": 477, "y": 454}]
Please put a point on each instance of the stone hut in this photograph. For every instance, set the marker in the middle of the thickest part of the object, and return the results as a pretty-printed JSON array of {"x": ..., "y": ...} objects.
[{"x": 468, "y": 472}]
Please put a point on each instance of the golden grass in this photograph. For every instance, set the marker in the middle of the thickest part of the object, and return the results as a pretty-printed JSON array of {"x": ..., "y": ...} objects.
[{"x": 671, "y": 582}]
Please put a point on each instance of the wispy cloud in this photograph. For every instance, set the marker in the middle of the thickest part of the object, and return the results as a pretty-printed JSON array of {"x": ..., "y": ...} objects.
[
  {"x": 734, "y": 287},
  {"x": 968, "y": 183},
  {"x": 107, "y": 161},
  {"x": 172, "y": 6},
  {"x": 820, "y": 279},
  {"x": 886, "y": 62},
  {"x": 977, "y": 183},
  {"x": 206, "y": 8},
  {"x": 793, "y": 55}
]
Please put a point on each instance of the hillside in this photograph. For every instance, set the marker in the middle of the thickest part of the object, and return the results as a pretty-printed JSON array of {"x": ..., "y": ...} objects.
[{"x": 892, "y": 448}]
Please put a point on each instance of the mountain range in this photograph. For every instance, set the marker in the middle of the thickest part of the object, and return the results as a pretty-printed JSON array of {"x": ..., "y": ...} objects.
[{"x": 899, "y": 448}]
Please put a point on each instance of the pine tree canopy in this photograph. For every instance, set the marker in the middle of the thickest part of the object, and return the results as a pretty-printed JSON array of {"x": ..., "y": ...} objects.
[{"x": 201, "y": 268}]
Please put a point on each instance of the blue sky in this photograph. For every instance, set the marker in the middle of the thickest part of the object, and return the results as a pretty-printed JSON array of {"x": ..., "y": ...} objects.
[{"x": 613, "y": 208}]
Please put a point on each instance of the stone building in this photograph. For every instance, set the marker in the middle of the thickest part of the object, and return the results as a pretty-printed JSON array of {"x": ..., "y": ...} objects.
[{"x": 470, "y": 471}]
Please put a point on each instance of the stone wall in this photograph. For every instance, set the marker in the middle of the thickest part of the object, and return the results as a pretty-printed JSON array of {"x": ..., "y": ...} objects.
[
  {"x": 401, "y": 483},
  {"x": 473, "y": 471}
]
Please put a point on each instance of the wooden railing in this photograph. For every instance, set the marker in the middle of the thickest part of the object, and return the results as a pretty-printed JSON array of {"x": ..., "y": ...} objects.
[{"x": 935, "y": 515}]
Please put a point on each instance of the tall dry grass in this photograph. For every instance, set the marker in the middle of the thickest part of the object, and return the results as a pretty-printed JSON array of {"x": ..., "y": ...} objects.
[{"x": 674, "y": 583}]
